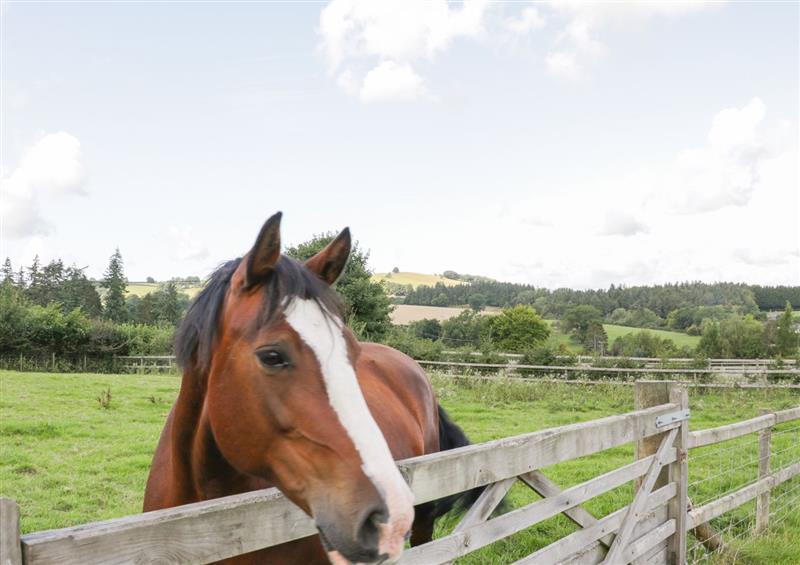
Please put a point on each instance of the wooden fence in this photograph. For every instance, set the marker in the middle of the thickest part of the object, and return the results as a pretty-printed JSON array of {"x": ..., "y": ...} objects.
[{"x": 652, "y": 529}]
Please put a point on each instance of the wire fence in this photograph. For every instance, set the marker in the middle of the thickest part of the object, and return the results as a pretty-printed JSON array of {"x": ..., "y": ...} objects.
[{"x": 721, "y": 469}]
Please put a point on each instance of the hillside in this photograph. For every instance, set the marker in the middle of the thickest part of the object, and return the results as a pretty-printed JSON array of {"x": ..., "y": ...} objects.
[{"x": 414, "y": 279}]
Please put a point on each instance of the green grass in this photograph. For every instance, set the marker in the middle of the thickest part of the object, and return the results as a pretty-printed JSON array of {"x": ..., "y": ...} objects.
[
  {"x": 68, "y": 461},
  {"x": 614, "y": 331},
  {"x": 679, "y": 338}
]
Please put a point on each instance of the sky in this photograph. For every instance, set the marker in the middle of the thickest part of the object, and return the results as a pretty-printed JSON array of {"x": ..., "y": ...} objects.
[{"x": 560, "y": 144}]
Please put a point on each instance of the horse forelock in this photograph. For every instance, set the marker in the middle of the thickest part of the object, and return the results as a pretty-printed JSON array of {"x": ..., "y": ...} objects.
[{"x": 196, "y": 337}]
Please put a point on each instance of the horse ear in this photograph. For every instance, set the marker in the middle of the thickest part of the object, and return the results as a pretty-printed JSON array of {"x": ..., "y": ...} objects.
[
  {"x": 329, "y": 263},
  {"x": 266, "y": 251}
]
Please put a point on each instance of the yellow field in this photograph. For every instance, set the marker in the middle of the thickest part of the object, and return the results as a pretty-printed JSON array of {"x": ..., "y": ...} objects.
[
  {"x": 406, "y": 313},
  {"x": 142, "y": 288},
  {"x": 414, "y": 279}
]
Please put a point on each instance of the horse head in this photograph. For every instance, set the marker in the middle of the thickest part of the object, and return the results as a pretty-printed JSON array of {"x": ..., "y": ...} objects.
[{"x": 284, "y": 403}]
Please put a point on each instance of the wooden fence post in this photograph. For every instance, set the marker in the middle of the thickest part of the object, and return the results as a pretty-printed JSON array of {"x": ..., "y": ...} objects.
[
  {"x": 656, "y": 393},
  {"x": 679, "y": 474},
  {"x": 764, "y": 454},
  {"x": 646, "y": 395},
  {"x": 10, "y": 545}
]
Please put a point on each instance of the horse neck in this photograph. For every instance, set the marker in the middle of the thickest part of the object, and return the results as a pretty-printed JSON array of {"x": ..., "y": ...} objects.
[{"x": 200, "y": 470}]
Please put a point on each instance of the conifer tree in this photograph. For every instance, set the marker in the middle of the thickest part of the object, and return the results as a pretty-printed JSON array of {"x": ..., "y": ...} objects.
[
  {"x": 787, "y": 339},
  {"x": 7, "y": 272},
  {"x": 115, "y": 283}
]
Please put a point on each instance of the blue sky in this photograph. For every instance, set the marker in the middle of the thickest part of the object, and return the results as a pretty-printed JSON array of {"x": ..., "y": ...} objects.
[{"x": 559, "y": 144}]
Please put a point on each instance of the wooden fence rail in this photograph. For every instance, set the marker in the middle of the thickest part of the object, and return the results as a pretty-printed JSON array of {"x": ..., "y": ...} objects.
[{"x": 652, "y": 529}]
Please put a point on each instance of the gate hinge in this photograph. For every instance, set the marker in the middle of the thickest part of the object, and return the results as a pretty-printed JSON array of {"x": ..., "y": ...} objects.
[{"x": 671, "y": 418}]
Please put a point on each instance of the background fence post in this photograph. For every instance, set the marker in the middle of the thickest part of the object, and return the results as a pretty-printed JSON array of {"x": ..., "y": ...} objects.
[
  {"x": 678, "y": 507},
  {"x": 764, "y": 454},
  {"x": 10, "y": 545}
]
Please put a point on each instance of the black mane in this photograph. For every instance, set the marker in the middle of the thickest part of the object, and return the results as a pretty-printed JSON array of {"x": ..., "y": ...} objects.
[{"x": 194, "y": 341}]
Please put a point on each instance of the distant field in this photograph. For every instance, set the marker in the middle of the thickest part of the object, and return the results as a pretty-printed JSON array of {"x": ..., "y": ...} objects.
[
  {"x": 406, "y": 313},
  {"x": 414, "y": 279},
  {"x": 143, "y": 288},
  {"x": 614, "y": 331},
  {"x": 679, "y": 338}
]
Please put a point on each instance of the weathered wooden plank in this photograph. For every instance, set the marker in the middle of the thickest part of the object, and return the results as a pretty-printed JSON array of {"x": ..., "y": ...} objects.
[
  {"x": 787, "y": 415},
  {"x": 619, "y": 546},
  {"x": 641, "y": 546},
  {"x": 489, "y": 499},
  {"x": 730, "y": 431},
  {"x": 705, "y": 534},
  {"x": 594, "y": 553},
  {"x": 538, "y": 482},
  {"x": 10, "y": 548},
  {"x": 195, "y": 533},
  {"x": 656, "y": 556},
  {"x": 577, "y": 541},
  {"x": 479, "y": 535},
  {"x": 440, "y": 474}
]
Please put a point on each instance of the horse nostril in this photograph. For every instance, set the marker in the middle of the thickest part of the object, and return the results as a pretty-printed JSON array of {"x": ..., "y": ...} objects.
[{"x": 368, "y": 533}]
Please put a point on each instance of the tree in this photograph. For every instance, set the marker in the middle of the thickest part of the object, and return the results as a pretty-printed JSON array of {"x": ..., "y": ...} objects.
[
  {"x": 367, "y": 306},
  {"x": 477, "y": 301},
  {"x": 711, "y": 344},
  {"x": 427, "y": 328},
  {"x": 395, "y": 270},
  {"x": 517, "y": 329},
  {"x": 35, "y": 289},
  {"x": 7, "y": 272},
  {"x": 786, "y": 341},
  {"x": 579, "y": 319},
  {"x": 77, "y": 291},
  {"x": 115, "y": 283},
  {"x": 595, "y": 339},
  {"x": 150, "y": 280},
  {"x": 169, "y": 310}
]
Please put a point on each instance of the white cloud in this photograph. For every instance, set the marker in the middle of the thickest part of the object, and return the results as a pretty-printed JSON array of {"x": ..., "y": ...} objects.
[
  {"x": 576, "y": 47},
  {"x": 359, "y": 36},
  {"x": 390, "y": 81},
  {"x": 563, "y": 64},
  {"x": 724, "y": 210},
  {"x": 725, "y": 171},
  {"x": 622, "y": 223},
  {"x": 185, "y": 245},
  {"x": 51, "y": 167},
  {"x": 389, "y": 36},
  {"x": 529, "y": 20}
]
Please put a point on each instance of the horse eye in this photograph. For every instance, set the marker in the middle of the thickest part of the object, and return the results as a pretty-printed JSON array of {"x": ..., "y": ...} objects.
[{"x": 272, "y": 359}]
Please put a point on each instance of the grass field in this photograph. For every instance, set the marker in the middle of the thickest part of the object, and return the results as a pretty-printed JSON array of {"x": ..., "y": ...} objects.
[
  {"x": 404, "y": 314},
  {"x": 679, "y": 338},
  {"x": 414, "y": 279},
  {"x": 67, "y": 460}
]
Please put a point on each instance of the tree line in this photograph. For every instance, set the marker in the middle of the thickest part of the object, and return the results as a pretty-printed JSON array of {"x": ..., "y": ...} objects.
[{"x": 53, "y": 310}]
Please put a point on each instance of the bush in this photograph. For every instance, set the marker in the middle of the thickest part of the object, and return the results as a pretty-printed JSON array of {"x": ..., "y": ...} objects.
[{"x": 404, "y": 340}]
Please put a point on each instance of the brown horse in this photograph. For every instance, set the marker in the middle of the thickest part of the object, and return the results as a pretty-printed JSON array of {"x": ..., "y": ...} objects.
[{"x": 277, "y": 391}]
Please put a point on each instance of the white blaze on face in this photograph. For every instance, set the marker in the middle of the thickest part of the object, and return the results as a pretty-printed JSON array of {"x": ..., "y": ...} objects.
[{"x": 323, "y": 334}]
